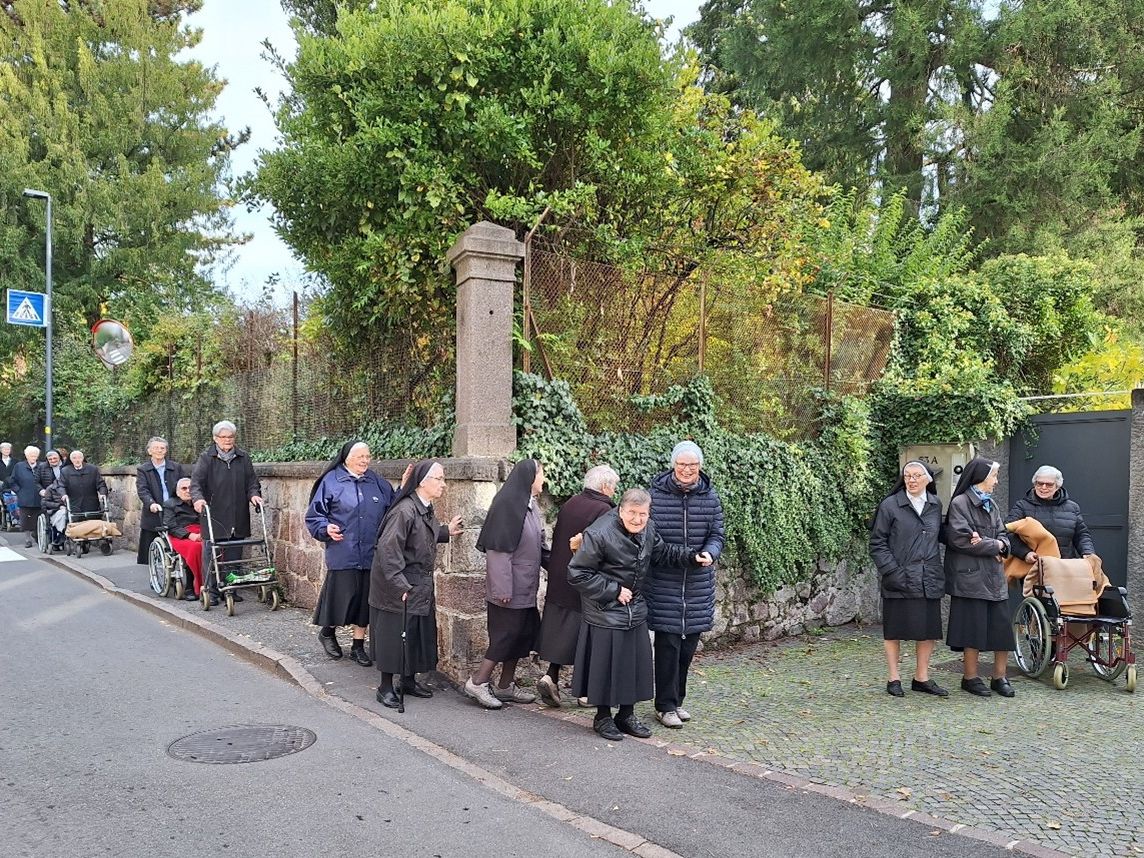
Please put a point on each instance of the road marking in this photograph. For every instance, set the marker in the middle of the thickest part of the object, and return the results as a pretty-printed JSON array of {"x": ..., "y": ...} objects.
[
  {"x": 62, "y": 612},
  {"x": 7, "y": 555},
  {"x": 17, "y": 581}
]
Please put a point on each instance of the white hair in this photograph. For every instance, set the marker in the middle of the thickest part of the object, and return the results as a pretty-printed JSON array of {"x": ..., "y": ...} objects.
[
  {"x": 686, "y": 447},
  {"x": 223, "y": 425},
  {"x": 600, "y": 476},
  {"x": 31, "y": 448},
  {"x": 635, "y": 497},
  {"x": 5, "y": 444},
  {"x": 1049, "y": 471},
  {"x": 157, "y": 439}
]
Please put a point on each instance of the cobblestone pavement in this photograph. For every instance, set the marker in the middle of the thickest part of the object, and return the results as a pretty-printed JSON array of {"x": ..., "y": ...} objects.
[{"x": 1059, "y": 768}]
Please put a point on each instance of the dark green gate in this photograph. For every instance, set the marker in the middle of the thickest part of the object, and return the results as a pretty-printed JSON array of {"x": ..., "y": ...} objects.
[{"x": 1092, "y": 450}]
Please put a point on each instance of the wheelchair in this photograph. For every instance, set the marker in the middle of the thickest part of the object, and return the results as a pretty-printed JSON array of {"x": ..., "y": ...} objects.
[
  {"x": 1046, "y": 633},
  {"x": 167, "y": 569}
]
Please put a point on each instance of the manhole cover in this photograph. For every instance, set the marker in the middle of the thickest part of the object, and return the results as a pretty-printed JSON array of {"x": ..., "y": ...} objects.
[{"x": 243, "y": 743}]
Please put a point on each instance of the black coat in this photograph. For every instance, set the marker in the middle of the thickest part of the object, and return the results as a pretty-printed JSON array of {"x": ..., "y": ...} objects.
[
  {"x": 973, "y": 571},
  {"x": 1060, "y": 516},
  {"x": 904, "y": 548},
  {"x": 25, "y": 484},
  {"x": 612, "y": 558},
  {"x": 47, "y": 475},
  {"x": 578, "y": 512},
  {"x": 681, "y": 601},
  {"x": 150, "y": 491},
  {"x": 177, "y": 514},
  {"x": 404, "y": 559},
  {"x": 83, "y": 486},
  {"x": 228, "y": 488},
  {"x": 6, "y": 470}
]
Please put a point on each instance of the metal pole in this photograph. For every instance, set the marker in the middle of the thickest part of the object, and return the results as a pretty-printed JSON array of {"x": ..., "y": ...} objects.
[
  {"x": 294, "y": 374},
  {"x": 829, "y": 337},
  {"x": 46, "y": 197},
  {"x": 702, "y": 320}
]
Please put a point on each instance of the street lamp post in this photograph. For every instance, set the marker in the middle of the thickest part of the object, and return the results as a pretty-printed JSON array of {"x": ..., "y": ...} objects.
[{"x": 44, "y": 195}]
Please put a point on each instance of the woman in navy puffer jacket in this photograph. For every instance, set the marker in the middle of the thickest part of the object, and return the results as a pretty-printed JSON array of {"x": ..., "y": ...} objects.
[{"x": 681, "y": 602}]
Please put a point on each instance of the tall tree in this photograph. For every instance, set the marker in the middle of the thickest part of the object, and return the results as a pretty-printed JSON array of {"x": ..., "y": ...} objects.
[{"x": 99, "y": 108}]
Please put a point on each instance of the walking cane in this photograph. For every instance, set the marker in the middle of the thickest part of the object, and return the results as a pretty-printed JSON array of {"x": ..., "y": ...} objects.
[{"x": 404, "y": 632}]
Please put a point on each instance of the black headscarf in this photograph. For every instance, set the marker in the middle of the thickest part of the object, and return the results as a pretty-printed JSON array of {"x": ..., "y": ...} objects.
[
  {"x": 335, "y": 463},
  {"x": 972, "y": 474},
  {"x": 900, "y": 485},
  {"x": 420, "y": 471},
  {"x": 504, "y": 522}
]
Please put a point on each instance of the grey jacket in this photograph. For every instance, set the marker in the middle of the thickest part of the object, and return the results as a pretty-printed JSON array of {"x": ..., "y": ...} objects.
[
  {"x": 904, "y": 547},
  {"x": 974, "y": 571},
  {"x": 404, "y": 559},
  {"x": 515, "y": 575}
]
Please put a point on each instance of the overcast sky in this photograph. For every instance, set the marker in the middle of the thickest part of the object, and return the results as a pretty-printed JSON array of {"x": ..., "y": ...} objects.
[{"x": 232, "y": 42}]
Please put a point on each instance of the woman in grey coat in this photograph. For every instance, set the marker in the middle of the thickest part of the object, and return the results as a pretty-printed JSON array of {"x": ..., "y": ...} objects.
[
  {"x": 512, "y": 539},
  {"x": 904, "y": 547},
  {"x": 976, "y": 544}
]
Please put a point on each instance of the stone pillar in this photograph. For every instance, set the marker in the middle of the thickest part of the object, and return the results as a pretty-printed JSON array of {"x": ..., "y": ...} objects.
[
  {"x": 1135, "y": 583},
  {"x": 485, "y": 259}
]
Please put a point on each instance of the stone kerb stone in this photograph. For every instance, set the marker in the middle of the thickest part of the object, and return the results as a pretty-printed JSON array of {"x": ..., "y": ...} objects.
[{"x": 1135, "y": 580}]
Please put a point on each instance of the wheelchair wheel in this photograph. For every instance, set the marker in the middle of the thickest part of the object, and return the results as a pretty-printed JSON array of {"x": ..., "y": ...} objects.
[
  {"x": 1131, "y": 679},
  {"x": 157, "y": 567},
  {"x": 1060, "y": 676},
  {"x": 1034, "y": 637},
  {"x": 1108, "y": 641},
  {"x": 43, "y": 534}
]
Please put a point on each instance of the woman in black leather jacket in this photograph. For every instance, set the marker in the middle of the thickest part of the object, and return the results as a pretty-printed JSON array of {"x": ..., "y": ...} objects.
[{"x": 613, "y": 655}]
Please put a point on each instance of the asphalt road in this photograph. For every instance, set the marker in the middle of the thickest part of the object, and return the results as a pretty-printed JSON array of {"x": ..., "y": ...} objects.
[{"x": 92, "y": 692}]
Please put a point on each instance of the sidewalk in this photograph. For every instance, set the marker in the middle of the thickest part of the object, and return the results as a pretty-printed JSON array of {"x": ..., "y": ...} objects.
[{"x": 793, "y": 745}]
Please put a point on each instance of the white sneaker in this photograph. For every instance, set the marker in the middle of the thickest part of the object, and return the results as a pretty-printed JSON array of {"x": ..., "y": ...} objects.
[
  {"x": 513, "y": 694},
  {"x": 549, "y": 691},
  {"x": 683, "y": 714},
  {"x": 669, "y": 719},
  {"x": 481, "y": 694}
]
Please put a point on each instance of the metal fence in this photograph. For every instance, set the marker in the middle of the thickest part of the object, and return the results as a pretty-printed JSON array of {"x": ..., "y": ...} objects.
[{"x": 612, "y": 334}]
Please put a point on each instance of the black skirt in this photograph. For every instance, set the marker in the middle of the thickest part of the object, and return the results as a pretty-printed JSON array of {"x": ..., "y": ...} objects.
[
  {"x": 981, "y": 625},
  {"x": 385, "y": 641},
  {"x": 559, "y": 634},
  {"x": 28, "y": 516},
  {"x": 344, "y": 599},
  {"x": 512, "y": 632},
  {"x": 146, "y": 537},
  {"x": 613, "y": 666},
  {"x": 911, "y": 619}
]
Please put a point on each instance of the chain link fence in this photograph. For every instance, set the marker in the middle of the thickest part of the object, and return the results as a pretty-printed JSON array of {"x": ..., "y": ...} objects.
[{"x": 612, "y": 334}]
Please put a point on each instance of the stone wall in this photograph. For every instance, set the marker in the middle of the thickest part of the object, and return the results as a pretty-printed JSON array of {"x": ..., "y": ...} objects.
[{"x": 837, "y": 593}]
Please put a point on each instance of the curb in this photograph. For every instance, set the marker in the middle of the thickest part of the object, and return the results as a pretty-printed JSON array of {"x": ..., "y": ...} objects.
[{"x": 289, "y": 668}]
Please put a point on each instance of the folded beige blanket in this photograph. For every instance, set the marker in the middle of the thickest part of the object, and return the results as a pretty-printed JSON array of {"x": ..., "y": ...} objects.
[{"x": 92, "y": 529}]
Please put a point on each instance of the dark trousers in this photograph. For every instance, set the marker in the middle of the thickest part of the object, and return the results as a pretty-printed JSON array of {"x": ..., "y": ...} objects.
[
  {"x": 146, "y": 537},
  {"x": 673, "y": 654}
]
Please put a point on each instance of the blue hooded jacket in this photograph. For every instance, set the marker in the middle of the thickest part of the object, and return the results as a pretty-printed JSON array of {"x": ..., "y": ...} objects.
[
  {"x": 357, "y": 506},
  {"x": 682, "y": 601}
]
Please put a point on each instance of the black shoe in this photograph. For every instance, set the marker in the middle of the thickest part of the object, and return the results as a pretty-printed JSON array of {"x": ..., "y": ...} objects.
[
  {"x": 894, "y": 688},
  {"x": 416, "y": 689},
  {"x": 358, "y": 656},
  {"x": 975, "y": 686},
  {"x": 928, "y": 687},
  {"x": 388, "y": 697},
  {"x": 190, "y": 597},
  {"x": 330, "y": 645},
  {"x": 633, "y": 727},
  {"x": 606, "y": 727},
  {"x": 238, "y": 598},
  {"x": 1002, "y": 687},
  {"x": 29, "y": 542}
]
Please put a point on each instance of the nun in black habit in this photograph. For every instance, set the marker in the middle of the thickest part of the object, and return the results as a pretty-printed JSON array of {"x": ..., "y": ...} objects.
[
  {"x": 401, "y": 584},
  {"x": 512, "y": 540}
]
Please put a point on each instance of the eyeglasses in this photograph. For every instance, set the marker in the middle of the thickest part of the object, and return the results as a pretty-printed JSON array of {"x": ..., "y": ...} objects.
[
  {"x": 1042, "y": 485},
  {"x": 225, "y": 437},
  {"x": 687, "y": 466},
  {"x": 913, "y": 477}
]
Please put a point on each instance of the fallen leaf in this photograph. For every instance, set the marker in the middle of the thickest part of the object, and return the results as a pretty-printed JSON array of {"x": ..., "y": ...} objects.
[
  {"x": 675, "y": 752},
  {"x": 903, "y": 792},
  {"x": 568, "y": 778},
  {"x": 935, "y": 832},
  {"x": 1053, "y": 824}
]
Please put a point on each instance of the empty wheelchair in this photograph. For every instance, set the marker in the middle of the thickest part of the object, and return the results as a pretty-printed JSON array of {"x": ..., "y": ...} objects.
[
  {"x": 168, "y": 571},
  {"x": 1069, "y": 606}
]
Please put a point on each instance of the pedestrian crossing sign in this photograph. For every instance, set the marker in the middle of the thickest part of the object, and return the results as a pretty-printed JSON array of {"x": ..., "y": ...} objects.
[{"x": 27, "y": 308}]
